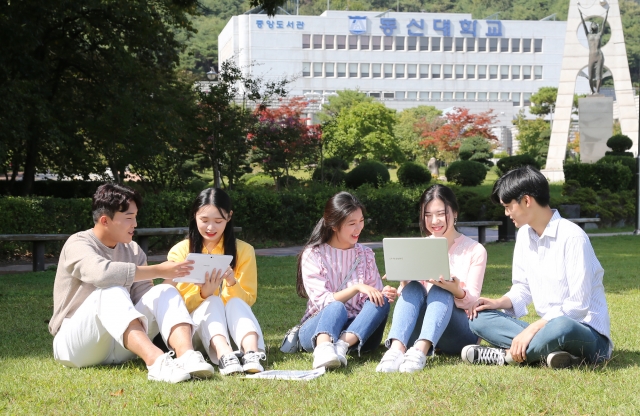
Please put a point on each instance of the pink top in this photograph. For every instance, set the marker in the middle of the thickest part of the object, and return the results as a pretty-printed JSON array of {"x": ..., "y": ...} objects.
[
  {"x": 467, "y": 262},
  {"x": 324, "y": 268}
]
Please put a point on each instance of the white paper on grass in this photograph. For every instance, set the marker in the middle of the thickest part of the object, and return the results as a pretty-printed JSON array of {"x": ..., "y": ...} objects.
[{"x": 304, "y": 375}]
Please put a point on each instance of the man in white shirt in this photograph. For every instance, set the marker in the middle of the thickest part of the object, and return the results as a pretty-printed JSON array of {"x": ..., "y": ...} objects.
[{"x": 555, "y": 267}]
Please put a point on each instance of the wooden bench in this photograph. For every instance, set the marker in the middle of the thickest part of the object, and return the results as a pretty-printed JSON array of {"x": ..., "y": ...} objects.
[
  {"x": 480, "y": 225},
  {"x": 38, "y": 240}
]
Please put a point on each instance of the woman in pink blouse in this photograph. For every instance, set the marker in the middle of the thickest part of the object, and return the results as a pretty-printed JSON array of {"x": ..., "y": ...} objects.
[
  {"x": 433, "y": 313},
  {"x": 347, "y": 305}
]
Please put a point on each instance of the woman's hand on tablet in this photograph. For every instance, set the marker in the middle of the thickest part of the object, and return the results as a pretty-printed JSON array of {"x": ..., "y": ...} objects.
[
  {"x": 212, "y": 281},
  {"x": 452, "y": 286},
  {"x": 390, "y": 292},
  {"x": 230, "y": 276}
]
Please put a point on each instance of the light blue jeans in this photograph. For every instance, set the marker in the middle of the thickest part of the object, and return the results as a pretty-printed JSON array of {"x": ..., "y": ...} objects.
[
  {"x": 559, "y": 334},
  {"x": 368, "y": 325},
  {"x": 432, "y": 317}
]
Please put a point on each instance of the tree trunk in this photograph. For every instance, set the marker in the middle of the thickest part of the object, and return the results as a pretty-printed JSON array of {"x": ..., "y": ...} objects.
[{"x": 29, "y": 174}]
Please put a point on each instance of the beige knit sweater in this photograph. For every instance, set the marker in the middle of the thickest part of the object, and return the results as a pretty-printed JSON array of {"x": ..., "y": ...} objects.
[{"x": 86, "y": 264}]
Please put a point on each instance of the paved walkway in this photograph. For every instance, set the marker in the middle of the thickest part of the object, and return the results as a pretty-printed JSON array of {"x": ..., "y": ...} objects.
[{"x": 491, "y": 235}]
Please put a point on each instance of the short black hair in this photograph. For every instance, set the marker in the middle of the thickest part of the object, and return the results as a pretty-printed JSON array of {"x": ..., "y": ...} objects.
[
  {"x": 111, "y": 198},
  {"x": 519, "y": 182}
]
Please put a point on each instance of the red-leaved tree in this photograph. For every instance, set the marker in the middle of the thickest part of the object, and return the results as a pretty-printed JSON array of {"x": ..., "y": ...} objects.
[
  {"x": 281, "y": 138},
  {"x": 458, "y": 124}
]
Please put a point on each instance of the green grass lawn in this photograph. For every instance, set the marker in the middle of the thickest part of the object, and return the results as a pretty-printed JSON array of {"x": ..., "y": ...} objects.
[{"x": 32, "y": 383}]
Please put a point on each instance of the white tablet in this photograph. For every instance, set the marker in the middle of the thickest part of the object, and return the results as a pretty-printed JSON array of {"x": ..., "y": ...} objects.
[
  {"x": 204, "y": 263},
  {"x": 416, "y": 258}
]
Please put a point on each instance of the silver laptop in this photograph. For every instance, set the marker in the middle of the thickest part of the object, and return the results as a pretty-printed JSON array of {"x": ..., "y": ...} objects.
[{"x": 416, "y": 258}]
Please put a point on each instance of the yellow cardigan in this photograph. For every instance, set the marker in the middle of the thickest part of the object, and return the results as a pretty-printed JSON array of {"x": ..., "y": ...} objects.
[{"x": 246, "y": 272}]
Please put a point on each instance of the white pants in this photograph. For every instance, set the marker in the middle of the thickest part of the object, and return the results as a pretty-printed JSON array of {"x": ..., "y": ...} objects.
[
  {"x": 213, "y": 318},
  {"x": 94, "y": 334}
]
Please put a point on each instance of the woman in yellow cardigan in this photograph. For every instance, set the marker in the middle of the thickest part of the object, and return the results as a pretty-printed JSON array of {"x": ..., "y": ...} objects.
[{"x": 219, "y": 313}]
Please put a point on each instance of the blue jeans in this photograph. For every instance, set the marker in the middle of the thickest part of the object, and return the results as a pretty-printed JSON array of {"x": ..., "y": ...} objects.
[
  {"x": 432, "y": 317},
  {"x": 559, "y": 334},
  {"x": 368, "y": 325}
]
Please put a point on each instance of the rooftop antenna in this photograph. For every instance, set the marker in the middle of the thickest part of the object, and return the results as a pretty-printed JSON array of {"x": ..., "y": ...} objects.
[
  {"x": 383, "y": 14},
  {"x": 550, "y": 17}
]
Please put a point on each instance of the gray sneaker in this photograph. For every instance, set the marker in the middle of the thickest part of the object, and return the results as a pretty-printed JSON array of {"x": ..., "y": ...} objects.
[
  {"x": 562, "y": 359},
  {"x": 475, "y": 354},
  {"x": 251, "y": 362},
  {"x": 229, "y": 363}
]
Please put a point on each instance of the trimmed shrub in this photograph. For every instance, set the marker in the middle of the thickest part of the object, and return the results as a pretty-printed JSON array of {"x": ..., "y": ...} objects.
[
  {"x": 260, "y": 180},
  {"x": 371, "y": 172},
  {"x": 610, "y": 207},
  {"x": 288, "y": 181},
  {"x": 336, "y": 163},
  {"x": 506, "y": 164},
  {"x": 466, "y": 173},
  {"x": 413, "y": 174},
  {"x": 619, "y": 143},
  {"x": 333, "y": 176},
  {"x": 598, "y": 176},
  {"x": 477, "y": 149},
  {"x": 629, "y": 162}
]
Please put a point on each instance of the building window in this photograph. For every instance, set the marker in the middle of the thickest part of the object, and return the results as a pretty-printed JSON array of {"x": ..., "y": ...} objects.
[
  {"x": 412, "y": 70},
  {"x": 306, "y": 69},
  {"x": 526, "y": 72},
  {"x": 447, "y": 96},
  {"x": 328, "y": 41},
  {"x": 504, "y": 71},
  {"x": 459, "y": 96},
  {"x": 515, "y": 98},
  {"x": 435, "y": 44},
  {"x": 537, "y": 45},
  {"x": 493, "y": 96},
  {"x": 515, "y": 45},
  {"x": 482, "y": 72},
  {"x": 504, "y": 45},
  {"x": 353, "y": 42},
  {"x": 388, "y": 70},
  {"x": 399, "y": 70},
  {"x": 306, "y": 41},
  {"x": 364, "y": 43},
  {"x": 493, "y": 71},
  {"x": 526, "y": 45},
  {"x": 515, "y": 72},
  {"x": 342, "y": 70},
  {"x": 493, "y": 45},
  {"x": 341, "y": 41},
  {"x": 374, "y": 94},
  {"x": 424, "y": 70},
  {"x": 435, "y": 70},
  {"x": 364, "y": 70},
  {"x": 447, "y": 44},
  {"x": 471, "y": 96},
  {"x": 424, "y": 95},
  {"x": 471, "y": 71},
  {"x": 482, "y": 44},
  {"x": 412, "y": 95},
  {"x": 412, "y": 43},
  {"x": 375, "y": 70},
  {"x": 328, "y": 69},
  {"x": 471, "y": 44},
  {"x": 504, "y": 96},
  {"x": 459, "y": 44},
  {"x": 317, "y": 41},
  {"x": 424, "y": 43},
  {"x": 375, "y": 43},
  {"x": 353, "y": 70},
  {"x": 388, "y": 95},
  {"x": 400, "y": 95},
  {"x": 436, "y": 96},
  {"x": 305, "y": 92},
  {"x": 527, "y": 98},
  {"x": 537, "y": 72},
  {"x": 388, "y": 43},
  {"x": 482, "y": 96},
  {"x": 317, "y": 69},
  {"x": 399, "y": 43},
  {"x": 459, "y": 71},
  {"x": 447, "y": 71}
]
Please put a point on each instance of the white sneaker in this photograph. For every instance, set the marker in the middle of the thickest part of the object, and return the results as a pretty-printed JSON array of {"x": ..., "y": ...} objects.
[
  {"x": 414, "y": 361},
  {"x": 475, "y": 354},
  {"x": 251, "y": 362},
  {"x": 342, "y": 348},
  {"x": 193, "y": 362},
  {"x": 229, "y": 363},
  {"x": 562, "y": 359},
  {"x": 166, "y": 369},
  {"x": 324, "y": 355},
  {"x": 390, "y": 362}
]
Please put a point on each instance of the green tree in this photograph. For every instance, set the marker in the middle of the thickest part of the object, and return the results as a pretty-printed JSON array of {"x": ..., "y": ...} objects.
[
  {"x": 344, "y": 99},
  {"x": 543, "y": 102},
  {"x": 533, "y": 136},
  {"x": 478, "y": 149},
  {"x": 409, "y": 134}
]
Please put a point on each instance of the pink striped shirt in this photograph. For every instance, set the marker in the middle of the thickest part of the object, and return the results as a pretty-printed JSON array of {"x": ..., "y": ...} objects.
[{"x": 324, "y": 268}]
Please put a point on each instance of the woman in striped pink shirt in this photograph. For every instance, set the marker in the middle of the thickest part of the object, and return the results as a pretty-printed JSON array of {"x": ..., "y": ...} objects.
[{"x": 347, "y": 305}]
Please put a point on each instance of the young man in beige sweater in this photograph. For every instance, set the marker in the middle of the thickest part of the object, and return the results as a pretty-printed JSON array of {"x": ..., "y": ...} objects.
[{"x": 106, "y": 308}]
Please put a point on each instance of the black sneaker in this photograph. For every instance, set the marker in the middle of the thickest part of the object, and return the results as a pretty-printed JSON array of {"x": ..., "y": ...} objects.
[
  {"x": 475, "y": 354},
  {"x": 562, "y": 359},
  {"x": 229, "y": 364}
]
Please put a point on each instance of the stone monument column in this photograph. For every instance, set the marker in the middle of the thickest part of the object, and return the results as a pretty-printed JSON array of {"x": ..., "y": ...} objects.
[{"x": 575, "y": 58}]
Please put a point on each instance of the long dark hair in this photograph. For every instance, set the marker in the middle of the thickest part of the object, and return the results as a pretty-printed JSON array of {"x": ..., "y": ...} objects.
[
  {"x": 219, "y": 199},
  {"x": 336, "y": 211},
  {"x": 444, "y": 194}
]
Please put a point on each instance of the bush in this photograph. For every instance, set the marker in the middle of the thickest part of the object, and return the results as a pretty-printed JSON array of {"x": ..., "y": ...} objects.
[
  {"x": 477, "y": 149},
  {"x": 629, "y": 162},
  {"x": 260, "y": 180},
  {"x": 610, "y": 207},
  {"x": 371, "y": 172},
  {"x": 466, "y": 173},
  {"x": 336, "y": 163},
  {"x": 598, "y": 176},
  {"x": 619, "y": 143},
  {"x": 506, "y": 164},
  {"x": 333, "y": 176},
  {"x": 288, "y": 181},
  {"x": 413, "y": 174}
]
